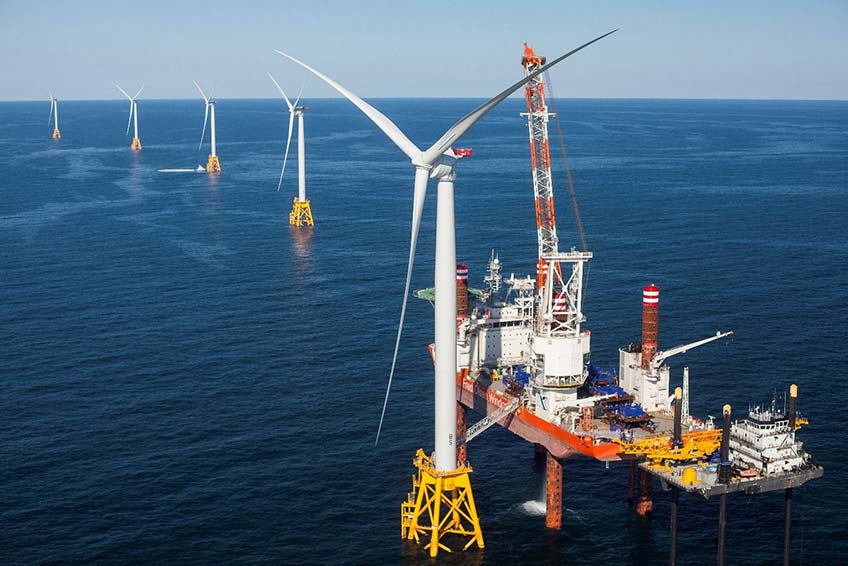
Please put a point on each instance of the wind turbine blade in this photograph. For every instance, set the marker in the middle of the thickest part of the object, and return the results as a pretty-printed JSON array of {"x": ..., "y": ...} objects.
[
  {"x": 123, "y": 91},
  {"x": 286, "y": 98},
  {"x": 286, "y": 157},
  {"x": 298, "y": 97},
  {"x": 129, "y": 120},
  {"x": 419, "y": 192},
  {"x": 205, "y": 117},
  {"x": 52, "y": 104},
  {"x": 382, "y": 122},
  {"x": 203, "y": 94},
  {"x": 457, "y": 130},
  {"x": 139, "y": 92}
]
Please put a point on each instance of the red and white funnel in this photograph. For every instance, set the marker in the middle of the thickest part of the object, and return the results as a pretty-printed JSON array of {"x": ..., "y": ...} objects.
[{"x": 650, "y": 323}]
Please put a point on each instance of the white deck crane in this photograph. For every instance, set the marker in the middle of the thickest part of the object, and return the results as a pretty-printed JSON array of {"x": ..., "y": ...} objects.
[{"x": 661, "y": 357}]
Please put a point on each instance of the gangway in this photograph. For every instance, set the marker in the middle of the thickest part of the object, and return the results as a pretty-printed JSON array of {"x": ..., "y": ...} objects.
[{"x": 491, "y": 419}]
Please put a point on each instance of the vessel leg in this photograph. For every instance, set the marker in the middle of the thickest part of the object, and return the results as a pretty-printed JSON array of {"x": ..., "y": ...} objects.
[
  {"x": 540, "y": 455},
  {"x": 461, "y": 429},
  {"x": 672, "y": 545},
  {"x": 787, "y": 524},
  {"x": 553, "y": 508},
  {"x": 630, "y": 479},
  {"x": 646, "y": 493},
  {"x": 722, "y": 516}
]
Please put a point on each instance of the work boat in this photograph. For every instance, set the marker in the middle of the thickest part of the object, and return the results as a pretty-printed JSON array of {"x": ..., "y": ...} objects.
[{"x": 765, "y": 443}]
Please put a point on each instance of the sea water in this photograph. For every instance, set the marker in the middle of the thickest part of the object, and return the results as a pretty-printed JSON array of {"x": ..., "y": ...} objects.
[{"x": 188, "y": 379}]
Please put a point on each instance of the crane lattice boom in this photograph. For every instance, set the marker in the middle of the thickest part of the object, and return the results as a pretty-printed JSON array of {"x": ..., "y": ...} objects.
[
  {"x": 560, "y": 298},
  {"x": 540, "y": 154}
]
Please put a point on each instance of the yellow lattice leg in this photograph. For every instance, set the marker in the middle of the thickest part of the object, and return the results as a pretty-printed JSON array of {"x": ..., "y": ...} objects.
[
  {"x": 136, "y": 144},
  {"x": 56, "y": 134},
  {"x": 213, "y": 165}
]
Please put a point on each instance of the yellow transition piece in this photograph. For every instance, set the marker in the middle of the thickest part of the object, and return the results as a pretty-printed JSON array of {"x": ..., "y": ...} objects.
[
  {"x": 213, "y": 165},
  {"x": 440, "y": 503},
  {"x": 301, "y": 214}
]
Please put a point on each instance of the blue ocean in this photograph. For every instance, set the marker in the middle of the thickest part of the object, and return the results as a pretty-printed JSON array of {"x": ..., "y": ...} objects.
[{"x": 187, "y": 379}]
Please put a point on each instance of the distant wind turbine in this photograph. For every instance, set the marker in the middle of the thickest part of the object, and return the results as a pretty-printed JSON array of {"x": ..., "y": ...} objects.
[
  {"x": 136, "y": 142},
  {"x": 212, "y": 164},
  {"x": 54, "y": 113},
  {"x": 301, "y": 213}
]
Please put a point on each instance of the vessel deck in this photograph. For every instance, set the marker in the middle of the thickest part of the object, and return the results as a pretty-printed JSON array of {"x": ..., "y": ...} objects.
[
  {"x": 484, "y": 396},
  {"x": 737, "y": 484}
]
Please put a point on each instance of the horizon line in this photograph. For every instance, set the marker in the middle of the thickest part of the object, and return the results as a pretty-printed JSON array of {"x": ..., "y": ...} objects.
[{"x": 688, "y": 98}]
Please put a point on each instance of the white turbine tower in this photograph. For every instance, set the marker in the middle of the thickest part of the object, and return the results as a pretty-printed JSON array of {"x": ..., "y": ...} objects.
[
  {"x": 54, "y": 114},
  {"x": 133, "y": 118},
  {"x": 212, "y": 164},
  {"x": 442, "y": 495},
  {"x": 301, "y": 214}
]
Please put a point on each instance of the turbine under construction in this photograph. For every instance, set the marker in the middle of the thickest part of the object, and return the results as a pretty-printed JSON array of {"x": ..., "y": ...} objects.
[
  {"x": 442, "y": 504},
  {"x": 522, "y": 361}
]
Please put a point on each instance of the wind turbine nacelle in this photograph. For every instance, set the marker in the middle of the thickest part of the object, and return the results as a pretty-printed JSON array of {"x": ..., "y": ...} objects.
[{"x": 443, "y": 167}]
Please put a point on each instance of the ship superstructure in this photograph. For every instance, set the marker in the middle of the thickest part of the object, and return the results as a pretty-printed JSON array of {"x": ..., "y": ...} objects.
[
  {"x": 765, "y": 442},
  {"x": 496, "y": 332},
  {"x": 524, "y": 338},
  {"x": 497, "y": 352}
]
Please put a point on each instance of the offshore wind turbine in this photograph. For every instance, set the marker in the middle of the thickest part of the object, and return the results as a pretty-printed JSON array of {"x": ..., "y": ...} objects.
[
  {"x": 54, "y": 114},
  {"x": 301, "y": 213},
  {"x": 212, "y": 164},
  {"x": 442, "y": 501},
  {"x": 133, "y": 118}
]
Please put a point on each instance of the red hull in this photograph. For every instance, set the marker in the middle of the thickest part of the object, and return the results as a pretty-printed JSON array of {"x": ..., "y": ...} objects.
[{"x": 528, "y": 426}]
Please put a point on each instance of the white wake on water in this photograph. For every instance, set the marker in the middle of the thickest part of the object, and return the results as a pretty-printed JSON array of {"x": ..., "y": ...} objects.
[
  {"x": 199, "y": 169},
  {"x": 538, "y": 506},
  {"x": 534, "y": 508}
]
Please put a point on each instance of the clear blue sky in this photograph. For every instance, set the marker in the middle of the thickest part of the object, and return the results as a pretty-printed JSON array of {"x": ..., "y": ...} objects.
[{"x": 714, "y": 49}]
